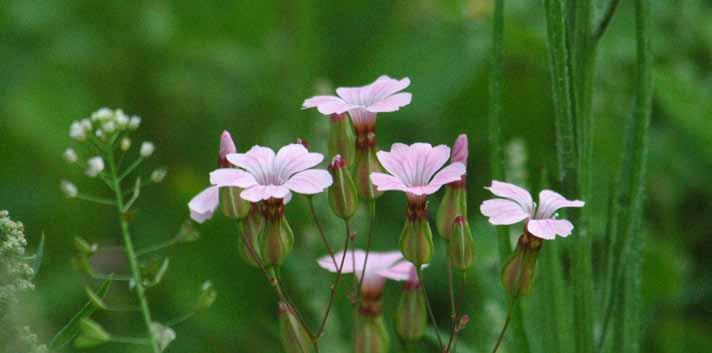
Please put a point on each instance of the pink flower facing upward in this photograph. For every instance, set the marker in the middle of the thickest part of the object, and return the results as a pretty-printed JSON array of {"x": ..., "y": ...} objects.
[
  {"x": 515, "y": 205},
  {"x": 362, "y": 103},
  {"x": 416, "y": 171}
]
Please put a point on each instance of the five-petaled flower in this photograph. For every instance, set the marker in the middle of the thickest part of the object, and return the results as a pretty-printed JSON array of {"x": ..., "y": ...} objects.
[
  {"x": 416, "y": 169},
  {"x": 516, "y": 205},
  {"x": 362, "y": 103}
]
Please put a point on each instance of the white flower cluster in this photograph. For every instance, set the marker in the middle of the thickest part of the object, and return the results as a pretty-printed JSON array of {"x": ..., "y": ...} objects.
[
  {"x": 17, "y": 275},
  {"x": 103, "y": 123}
]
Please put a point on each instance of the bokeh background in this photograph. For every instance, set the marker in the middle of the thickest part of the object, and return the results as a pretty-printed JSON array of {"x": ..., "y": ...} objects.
[{"x": 192, "y": 69}]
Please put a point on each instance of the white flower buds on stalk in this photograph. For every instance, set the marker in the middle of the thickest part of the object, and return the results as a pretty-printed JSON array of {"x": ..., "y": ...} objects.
[
  {"x": 147, "y": 149},
  {"x": 95, "y": 165}
]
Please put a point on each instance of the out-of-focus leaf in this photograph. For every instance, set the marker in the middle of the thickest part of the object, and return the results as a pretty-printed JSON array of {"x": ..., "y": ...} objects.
[
  {"x": 71, "y": 328},
  {"x": 91, "y": 334},
  {"x": 187, "y": 233},
  {"x": 95, "y": 298},
  {"x": 39, "y": 254},
  {"x": 153, "y": 271}
]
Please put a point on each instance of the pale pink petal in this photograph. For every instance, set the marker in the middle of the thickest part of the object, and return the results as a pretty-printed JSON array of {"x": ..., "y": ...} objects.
[
  {"x": 549, "y": 228},
  {"x": 276, "y": 191},
  {"x": 255, "y": 193},
  {"x": 257, "y": 161},
  {"x": 294, "y": 158},
  {"x": 386, "y": 86},
  {"x": 391, "y": 104},
  {"x": 351, "y": 95},
  {"x": 385, "y": 182},
  {"x": 204, "y": 204},
  {"x": 395, "y": 162},
  {"x": 447, "y": 175},
  {"x": 309, "y": 182},
  {"x": 550, "y": 202},
  {"x": 503, "y": 211},
  {"x": 513, "y": 192},
  {"x": 432, "y": 161},
  {"x": 377, "y": 261},
  {"x": 402, "y": 271},
  {"x": 327, "y": 104},
  {"x": 459, "y": 150},
  {"x": 232, "y": 177}
]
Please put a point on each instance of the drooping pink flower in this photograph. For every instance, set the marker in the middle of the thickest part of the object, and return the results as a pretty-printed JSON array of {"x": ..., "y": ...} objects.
[
  {"x": 362, "y": 103},
  {"x": 415, "y": 169},
  {"x": 373, "y": 279},
  {"x": 516, "y": 205},
  {"x": 203, "y": 205},
  {"x": 265, "y": 175}
]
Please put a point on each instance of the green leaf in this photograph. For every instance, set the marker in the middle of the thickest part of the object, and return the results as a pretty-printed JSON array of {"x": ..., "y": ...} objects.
[
  {"x": 39, "y": 254},
  {"x": 95, "y": 299},
  {"x": 71, "y": 328},
  {"x": 153, "y": 271}
]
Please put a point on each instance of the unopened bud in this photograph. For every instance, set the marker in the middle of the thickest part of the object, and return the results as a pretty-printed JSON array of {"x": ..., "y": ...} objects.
[
  {"x": 416, "y": 241},
  {"x": 295, "y": 338},
  {"x": 371, "y": 335},
  {"x": 68, "y": 189},
  {"x": 277, "y": 239},
  {"x": 207, "y": 297},
  {"x": 248, "y": 246},
  {"x": 70, "y": 155},
  {"x": 367, "y": 163},
  {"x": 84, "y": 247},
  {"x": 134, "y": 122},
  {"x": 461, "y": 246},
  {"x": 91, "y": 334},
  {"x": 158, "y": 175},
  {"x": 233, "y": 206},
  {"x": 518, "y": 273},
  {"x": 411, "y": 317},
  {"x": 342, "y": 140},
  {"x": 342, "y": 193},
  {"x": 453, "y": 204},
  {"x": 227, "y": 146},
  {"x": 95, "y": 165},
  {"x": 125, "y": 144}
]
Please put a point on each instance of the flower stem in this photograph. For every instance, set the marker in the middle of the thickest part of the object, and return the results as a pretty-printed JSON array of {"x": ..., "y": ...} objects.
[
  {"x": 371, "y": 221},
  {"x": 419, "y": 271},
  {"x": 131, "y": 254},
  {"x": 506, "y": 324},
  {"x": 321, "y": 230},
  {"x": 339, "y": 273}
]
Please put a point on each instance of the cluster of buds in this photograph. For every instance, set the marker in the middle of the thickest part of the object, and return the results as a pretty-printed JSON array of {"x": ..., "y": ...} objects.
[
  {"x": 103, "y": 124},
  {"x": 17, "y": 274}
]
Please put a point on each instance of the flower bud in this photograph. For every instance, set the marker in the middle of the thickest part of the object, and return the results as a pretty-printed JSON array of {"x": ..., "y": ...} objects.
[
  {"x": 277, "y": 239},
  {"x": 518, "y": 273},
  {"x": 68, "y": 189},
  {"x": 342, "y": 140},
  {"x": 342, "y": 193},
  {"x": 371, "y": 335},
  {"x": 461, "y": 246},
  {"x": 147, "y": 149},
  {"x": 416, "y": 241},
  {"x": 95, "y": 165},
  {"x": 125, "y": 144},
  {"x": 70, "y": 155},
  {"x": 227, "y": 146},
  {"x": 411, "y": 317},
  {"x": 91, "y": 334},
  {"x": 367, "y": 163},
  {"x": 252, "y": 227},
  {"x": 158, "y": 175},
  {"x": 295, "y": 338},
  {"x": 454, "y": 203}
]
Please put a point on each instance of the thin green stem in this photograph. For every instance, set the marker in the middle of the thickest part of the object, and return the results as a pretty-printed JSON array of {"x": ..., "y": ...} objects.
[
  {"x": 131, "y": 168},
  {"x": 181, "y": 319},
  {"x": 453, "y": 309},
  {"x": 371, "y": 221},
  {"x": 98, "y": 200},
  {"x": 506, "y": 324},
  {"x": 321, "y": 230},
  {"x": 154, "y": 248},
  {"x": 332, "y": 289},
  {"x": 131, "y": 254},
  {"x": 130, "y": 340},
  {"x": 430, "y": 309}
]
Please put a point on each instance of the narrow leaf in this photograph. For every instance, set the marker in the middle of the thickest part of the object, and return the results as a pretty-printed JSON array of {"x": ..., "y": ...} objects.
[{"x": 71, "y": 328}]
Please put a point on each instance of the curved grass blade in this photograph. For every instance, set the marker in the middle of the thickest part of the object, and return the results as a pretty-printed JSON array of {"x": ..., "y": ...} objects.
[{"x": 71, "y": 328}]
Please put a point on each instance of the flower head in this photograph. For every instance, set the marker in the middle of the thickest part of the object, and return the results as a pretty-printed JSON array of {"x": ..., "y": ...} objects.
[
  {"x": 95, "y": 165},
  {"x": 266, "y": 175},
  {"x": 415, "y": 169},
  {"x": 375, "y": 274},
  {"x": 147, "y": 149},
  {"x": 362, "y": 103},
  {"x": 515, "y": 205}
]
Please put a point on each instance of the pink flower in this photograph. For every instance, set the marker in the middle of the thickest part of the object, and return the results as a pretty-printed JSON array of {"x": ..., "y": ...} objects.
[
  {"x": 516, "y": 205},
  {"x": 265, "y": 175},
  {"x": 378, "y": 262},
  {"x": 413, "y": 169},
  {"x": 364, "y": 102},
  {"x": 203, "y": 205}
]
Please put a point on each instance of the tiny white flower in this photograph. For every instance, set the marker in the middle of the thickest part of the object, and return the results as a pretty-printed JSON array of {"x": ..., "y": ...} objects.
[
  {"x": 134, "y": 122},
  {"x": 70, "y": 156},
  {"x": 109, "y": 127},
  {"x": 125, "y": 144},
  {"x": 122, "y": 120},
  {"x": 102, "y": 114},
  {"x": 77, "y": 131},
  {"x": 158, "y": 175},
  {"x": 68, "y": 189},
  {"x": 147, "y": 149},
  {"x": 99, "y": 134},
  {"x": 86, "y": 124},
  {"x": 95, "y": 165}
]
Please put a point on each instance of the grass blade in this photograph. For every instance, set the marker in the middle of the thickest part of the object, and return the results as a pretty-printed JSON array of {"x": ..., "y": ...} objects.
[{"x": 71, "y": 328}]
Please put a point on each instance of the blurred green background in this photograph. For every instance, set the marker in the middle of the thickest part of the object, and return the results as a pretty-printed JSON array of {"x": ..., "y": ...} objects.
[{"x": 192, "y": 69}]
